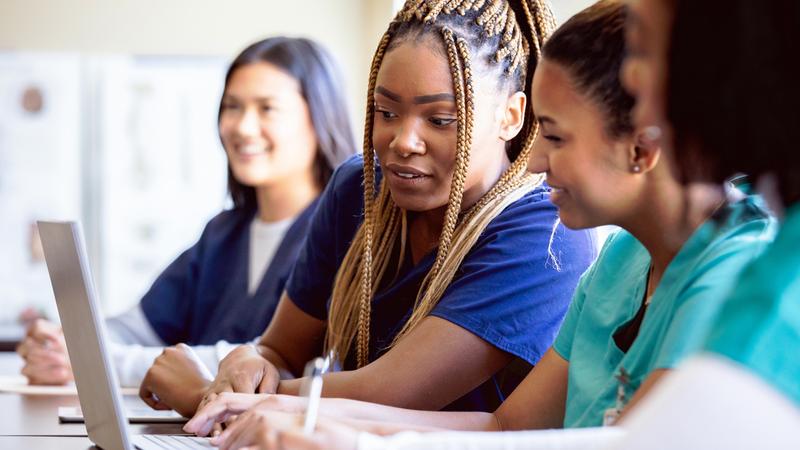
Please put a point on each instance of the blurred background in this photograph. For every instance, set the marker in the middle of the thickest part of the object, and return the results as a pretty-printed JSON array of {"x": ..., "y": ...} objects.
[{"x": 108, "y": 116}]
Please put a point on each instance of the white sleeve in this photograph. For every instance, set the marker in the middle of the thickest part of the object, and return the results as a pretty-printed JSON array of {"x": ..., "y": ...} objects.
[
  {"x": 133, "y": 327},
  {"x": 132, "y": 361},
  {"x": 573, "y": 439},
  {"x": 211, "y": 355},
  {"x": 710, "y": 402},
  {"x": 134, "y": 345}
]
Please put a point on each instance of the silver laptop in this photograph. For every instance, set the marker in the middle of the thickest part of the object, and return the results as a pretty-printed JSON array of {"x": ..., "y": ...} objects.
[{"x": 84, "y": 332}]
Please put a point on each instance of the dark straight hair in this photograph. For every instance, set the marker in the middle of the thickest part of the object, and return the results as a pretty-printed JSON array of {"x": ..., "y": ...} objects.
[
  {"x": 591, "y": 47},
  {"x": 321, "y": 87},
  {"x": 733, "y": 90}
]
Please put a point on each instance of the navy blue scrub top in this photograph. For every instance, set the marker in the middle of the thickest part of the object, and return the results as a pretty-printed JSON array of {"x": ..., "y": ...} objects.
[
  {"x": 508, "y": 291},
  {"x": 202, "y": 296}
]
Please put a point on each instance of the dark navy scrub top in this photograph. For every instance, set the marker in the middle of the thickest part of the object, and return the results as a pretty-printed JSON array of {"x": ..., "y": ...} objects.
[
  {"x": 202, "y": 296},
  {"x": 508, "y": 291}
]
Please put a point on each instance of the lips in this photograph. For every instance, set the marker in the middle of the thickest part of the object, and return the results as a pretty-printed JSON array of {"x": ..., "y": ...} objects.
[
  {"x": 557, "y": 193},
  {"x": 251, "y": 149},
  {"x": 406, "y": 172},
  {"x": 554, "y": 187}
]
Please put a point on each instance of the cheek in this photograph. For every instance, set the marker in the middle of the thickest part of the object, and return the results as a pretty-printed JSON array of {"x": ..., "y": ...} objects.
[
  {"x": 307, "y": 142},
  {"x": 381, "y": 136},
  {"x": 292, "y": 139},
  {"x": 225, "y": 131}
]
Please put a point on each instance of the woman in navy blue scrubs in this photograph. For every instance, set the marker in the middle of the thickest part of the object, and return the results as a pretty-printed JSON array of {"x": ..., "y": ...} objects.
[
  {"x": 284, "y": 124},
  {"x": 435, "y": 269}
]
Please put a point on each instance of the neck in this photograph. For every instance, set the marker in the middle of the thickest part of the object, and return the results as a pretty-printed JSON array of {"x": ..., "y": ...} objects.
[
  {"x": 425, "y": 227},
  {"x": 667, "y": 215},
  {"x": 424, "y": 231},
  {"x": 476, "y": 192},
  {"x": 285, "y": 199}
]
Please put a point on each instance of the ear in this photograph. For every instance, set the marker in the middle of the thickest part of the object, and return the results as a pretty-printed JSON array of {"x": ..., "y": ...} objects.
[
  {"x": 513, "y": 116},
  {"x": 644, "y": 152}
]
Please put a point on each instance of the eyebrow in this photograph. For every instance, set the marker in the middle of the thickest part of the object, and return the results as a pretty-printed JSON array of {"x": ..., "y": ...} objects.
[
  {"x": 545, "y": 119},
  {"x": 418, "y": 100}
]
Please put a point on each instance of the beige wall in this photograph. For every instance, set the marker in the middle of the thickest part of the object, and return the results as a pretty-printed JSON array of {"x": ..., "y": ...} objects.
[
  {"x": 349, "y": 28},
  {"x": 563, "y": 9}
]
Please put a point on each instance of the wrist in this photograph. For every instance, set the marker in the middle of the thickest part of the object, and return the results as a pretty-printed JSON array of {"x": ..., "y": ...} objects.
[{"x": 196, "y": 397}]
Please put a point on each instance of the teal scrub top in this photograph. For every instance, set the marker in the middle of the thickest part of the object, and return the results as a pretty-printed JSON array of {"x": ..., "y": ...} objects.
[
  {"x": 675, "y": 323},
  {"x": 759, "y": 325}
]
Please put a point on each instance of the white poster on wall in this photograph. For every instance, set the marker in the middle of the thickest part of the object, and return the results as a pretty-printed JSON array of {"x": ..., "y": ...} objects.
[
  {"x": 126, "y": 145},
  {"x": 40, "y": 170},
  {"x": 161, "y": 163}
]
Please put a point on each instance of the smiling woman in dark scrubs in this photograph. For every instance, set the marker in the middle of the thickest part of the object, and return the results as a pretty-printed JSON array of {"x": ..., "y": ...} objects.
[{"x": 284, "y": 125}]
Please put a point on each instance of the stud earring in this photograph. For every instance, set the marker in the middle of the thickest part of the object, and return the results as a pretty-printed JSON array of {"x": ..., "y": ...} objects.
[{"x": 635, "y": 168}]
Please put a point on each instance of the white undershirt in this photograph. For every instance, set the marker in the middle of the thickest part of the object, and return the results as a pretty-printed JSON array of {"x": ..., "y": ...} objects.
[
  {"x": 265, "y": 237},
  {"x": 133, "y": 342}
]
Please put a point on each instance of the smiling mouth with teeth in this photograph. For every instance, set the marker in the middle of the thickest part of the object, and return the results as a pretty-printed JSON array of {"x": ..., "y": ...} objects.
[
  {"x": 252, "y": 149},
  {"x": 408, "y": 176}
]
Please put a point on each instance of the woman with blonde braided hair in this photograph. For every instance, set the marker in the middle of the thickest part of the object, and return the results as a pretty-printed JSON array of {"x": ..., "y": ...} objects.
[
  {"x": 643, "y": 307},
  {"x": 436, "y": 271}
]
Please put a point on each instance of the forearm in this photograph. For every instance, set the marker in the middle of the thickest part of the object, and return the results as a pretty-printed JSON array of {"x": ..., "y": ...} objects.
[
  {"x": 383, "y": 420},
  {"x": 385, "y": 428},
  {"x": 377, "y": 387}
]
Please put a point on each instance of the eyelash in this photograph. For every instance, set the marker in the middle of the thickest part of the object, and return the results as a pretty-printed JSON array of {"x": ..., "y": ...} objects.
[
  {"x": 441, "y": 122},
  {"x": 236, "y": 107},
  {"x": 386, "y": 115},
  {"x": 435, "y": 121},
  {"x": 553, "y": 139}
]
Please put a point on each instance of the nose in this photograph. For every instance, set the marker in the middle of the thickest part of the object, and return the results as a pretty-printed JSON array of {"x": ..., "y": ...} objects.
[
  {"x": 407, "y": 141},
  {"x": 249, "y": 124},
  {"x": 538, "y": 160}
]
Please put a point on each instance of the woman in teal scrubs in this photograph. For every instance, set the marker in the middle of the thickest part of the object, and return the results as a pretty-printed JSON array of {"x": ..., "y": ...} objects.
[
  {"x": 747, "y": 75},
  {"x": 726, "y": 101},
  {"x": 643, "y": 306}
]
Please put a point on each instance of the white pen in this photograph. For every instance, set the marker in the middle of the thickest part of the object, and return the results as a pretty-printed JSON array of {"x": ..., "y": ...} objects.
[{"x": 312, "y": 389}]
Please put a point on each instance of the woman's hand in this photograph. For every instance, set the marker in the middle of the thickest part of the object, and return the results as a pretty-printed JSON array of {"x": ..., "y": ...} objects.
[
  {"x": 45, "y": 354},
  {"x": 244, "y": 370},
  {"x": 176, "y": 380},
  {"x": 223, "y": 407},
  {"x": 265, "y": 429}
]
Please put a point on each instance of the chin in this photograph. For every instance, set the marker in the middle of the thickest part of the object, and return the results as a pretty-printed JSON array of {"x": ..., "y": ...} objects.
[
  {"x": 253, "y": 179},
  {"x": 415, "y": 203},
  {"x": 575, "y": 222}
]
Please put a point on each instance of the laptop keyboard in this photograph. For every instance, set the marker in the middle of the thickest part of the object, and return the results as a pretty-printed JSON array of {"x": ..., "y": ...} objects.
[{"x": 166, "y": 441}]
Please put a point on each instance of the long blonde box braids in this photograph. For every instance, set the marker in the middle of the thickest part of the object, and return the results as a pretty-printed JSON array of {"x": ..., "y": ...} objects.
[{"x": 384, "y": 223}]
